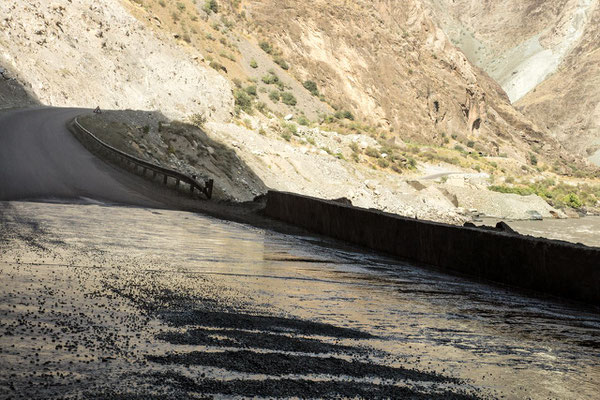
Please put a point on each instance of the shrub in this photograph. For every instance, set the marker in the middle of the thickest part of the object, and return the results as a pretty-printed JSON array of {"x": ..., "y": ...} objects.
[
  {"x": 261, "y": 107},
  {"x": 311, "y": 86},
  {"x": 344, "y": 115},
  {"x": 253, "y": 63},
  {"x": 146, "y": 129},
  {"x": 242, "y": 100},
  {"x": 251, "y": 90},
  {"x": 217, "y": 66},
  {"x": 291, "y": 128},
  {"x": 266, "y": 46},
  {"x": 198, "y": 120},
  {"x": 572, "y": 200},
  {"x": 274, "y": 95},
  {"x": 281, "y": 62},
  {"x": 533, "y": 159},
  {"x": 372, "y": 152},
  {"x": 289, "y": 99},
  {"x": 270, "y": 79},
  {"x": 383, "y": 163},
  {"x": 302, "y": 120},
  {"x": 211, "y": 6},
  {"x": 470, "y": 144}
]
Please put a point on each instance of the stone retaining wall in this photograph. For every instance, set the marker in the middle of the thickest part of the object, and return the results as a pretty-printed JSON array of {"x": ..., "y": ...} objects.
[{"x": 549, "y": 266}]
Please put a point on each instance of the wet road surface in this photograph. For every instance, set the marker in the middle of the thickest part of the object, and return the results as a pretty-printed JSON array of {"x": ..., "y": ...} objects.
[{"x": 132, "y": 303}]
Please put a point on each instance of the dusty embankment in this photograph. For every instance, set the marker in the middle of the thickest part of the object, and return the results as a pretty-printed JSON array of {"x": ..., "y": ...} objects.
[{"x": 244, "y": 163}]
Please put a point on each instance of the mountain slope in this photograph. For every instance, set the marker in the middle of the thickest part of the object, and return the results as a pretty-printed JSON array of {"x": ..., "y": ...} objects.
[
  {"x": 518, "y": 42},
  {"x": 568, "y": 103},
  {"x": 61, "y": 47},
  {"x": 389, "y": 63}
]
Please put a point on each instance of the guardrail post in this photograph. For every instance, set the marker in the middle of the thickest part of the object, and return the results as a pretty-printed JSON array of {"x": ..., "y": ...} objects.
[{"x": 208, "y": 188}]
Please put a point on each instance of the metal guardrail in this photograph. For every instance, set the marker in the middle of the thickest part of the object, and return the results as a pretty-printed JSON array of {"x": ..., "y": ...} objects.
[{"x": 179, "y": 177}]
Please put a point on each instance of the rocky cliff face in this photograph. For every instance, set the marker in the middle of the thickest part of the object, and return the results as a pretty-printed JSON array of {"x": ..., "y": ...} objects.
[
  {"x": 87, "y": 53},
  {"x": 568, "y": 102},
  {"x": 518, "y": 43},
  {"x": 390, "y": 63},
  {"x": 543, "y": 53}
]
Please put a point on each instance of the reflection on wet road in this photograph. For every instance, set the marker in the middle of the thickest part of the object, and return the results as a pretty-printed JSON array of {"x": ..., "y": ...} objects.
[{"x": 108, "y": 300}]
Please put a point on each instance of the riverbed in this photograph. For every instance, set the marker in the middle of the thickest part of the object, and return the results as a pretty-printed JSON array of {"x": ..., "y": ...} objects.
[
  {"x": 100, "y": 301},
  {"x": 584, "y": 230}
]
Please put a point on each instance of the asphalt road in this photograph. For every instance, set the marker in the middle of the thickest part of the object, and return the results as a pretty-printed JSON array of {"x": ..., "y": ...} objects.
[{"x": 41, "y": 160}]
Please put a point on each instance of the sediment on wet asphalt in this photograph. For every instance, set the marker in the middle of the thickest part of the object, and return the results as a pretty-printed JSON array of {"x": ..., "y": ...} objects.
[{"x": 133, "y": 303}]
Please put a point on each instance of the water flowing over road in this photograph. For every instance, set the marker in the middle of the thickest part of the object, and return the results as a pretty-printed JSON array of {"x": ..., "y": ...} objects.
[{"x": 121, "y": 302}]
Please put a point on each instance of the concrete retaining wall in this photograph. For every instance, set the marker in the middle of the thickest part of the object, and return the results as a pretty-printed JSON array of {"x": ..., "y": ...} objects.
[{"x": 553, "y": 267}]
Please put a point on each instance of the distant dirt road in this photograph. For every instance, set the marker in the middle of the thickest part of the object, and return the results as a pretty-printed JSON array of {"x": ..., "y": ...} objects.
[{"x": 41, "y": 160}]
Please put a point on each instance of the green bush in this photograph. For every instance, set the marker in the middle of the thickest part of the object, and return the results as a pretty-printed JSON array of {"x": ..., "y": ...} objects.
[
  {"x": 242, "y": 100},
  {"x": 302, "y": 120},
  {"x": 291, "y": 128},
  {"x": 533, "y": 159},
  {"x": 275, "y": 96},
  {"x": 344, "y": 115},
  {"x": 289, "y": 99},
  {"x": 253, "y": 63},
  {"x": 312, "y": 87},
  {"x": 572, "y": 200},
  {"x": 266, "y": 46},
  {"x": 211, "y": 6},
  {"x": 281, "y": 62},
  {"x": 372, "y": 152},
  {"x": 217, "y": 66},
  {"x": 251, "y": 90},
  {"x": 270, "y": 79}
]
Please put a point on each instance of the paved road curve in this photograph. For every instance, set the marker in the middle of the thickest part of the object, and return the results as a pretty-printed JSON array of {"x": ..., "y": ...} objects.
[{"x": 41, "y": 160}]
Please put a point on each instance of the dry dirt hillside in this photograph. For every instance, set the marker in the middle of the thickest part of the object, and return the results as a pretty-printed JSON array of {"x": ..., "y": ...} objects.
[{"x": 87, "y": 53}]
